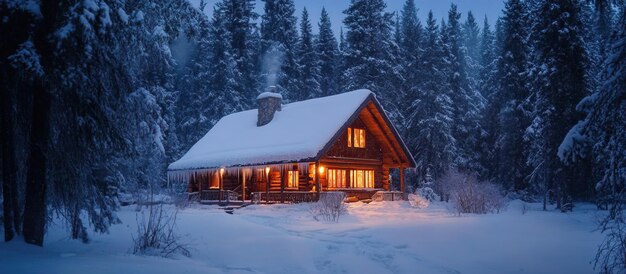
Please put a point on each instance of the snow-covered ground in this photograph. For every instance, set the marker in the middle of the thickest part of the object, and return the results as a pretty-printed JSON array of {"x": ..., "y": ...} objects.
[{"x": 386, "y": 237}]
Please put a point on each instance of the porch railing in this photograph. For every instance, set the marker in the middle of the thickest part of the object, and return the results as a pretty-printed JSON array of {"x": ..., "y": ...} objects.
[
  {"x": 388, "y": 196},
  {"x": 287, "y": 197},
  {"x": 218, "y": 194}
]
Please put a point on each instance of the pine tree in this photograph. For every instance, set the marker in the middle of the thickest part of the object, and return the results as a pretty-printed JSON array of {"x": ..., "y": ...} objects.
[
  {"x": 328, "y": 54},
  {"x": 431, "y": 118},
  {"x": 193, "y": 109},
  {"x": 509, "y": 100},
  {"x": 560, "y": 72},
  {"x": 239, "y": 17},
  {"x": 309, "y": 70},
  {"x": 370, "y": 65},
  {"x": 468, "y": 103},
  {"x": 487, "y": 82},
  {"x": 222, "y": 80},
  {"x": 471, "y": 44},
  {"x": 603, "y": 129},
  {"x": 410, "y": 44}
]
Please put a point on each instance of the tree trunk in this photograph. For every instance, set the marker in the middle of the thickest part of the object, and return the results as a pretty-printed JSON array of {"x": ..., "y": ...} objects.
[
  {"x": 9, "y": 168},
  {"x": 35, "y": 205}
]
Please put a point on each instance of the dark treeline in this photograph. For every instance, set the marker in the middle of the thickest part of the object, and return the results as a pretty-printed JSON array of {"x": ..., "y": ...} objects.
[{"x": 101, "y": 95}]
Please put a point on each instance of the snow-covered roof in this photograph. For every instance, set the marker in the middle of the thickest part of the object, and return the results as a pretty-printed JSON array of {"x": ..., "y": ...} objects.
[
  {"x": 269, "y": 94},
  {"x": 298, "y": 132}
]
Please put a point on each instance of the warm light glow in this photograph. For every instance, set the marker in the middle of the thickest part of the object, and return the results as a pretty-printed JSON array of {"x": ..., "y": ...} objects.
[
  {"x": 221, "y": 171},
  {"x": 362, "y": 178},
  {"x": 336, "y": 178},
  {"x": 292, "y": 179},
  {"x": 356, "y": 137},
  {"x": 321, "y": 169},
  {"x": 267, "y": 170}
]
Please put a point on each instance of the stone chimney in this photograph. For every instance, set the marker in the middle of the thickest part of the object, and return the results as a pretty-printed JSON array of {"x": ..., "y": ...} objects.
[{"x": 269, "y": 102}]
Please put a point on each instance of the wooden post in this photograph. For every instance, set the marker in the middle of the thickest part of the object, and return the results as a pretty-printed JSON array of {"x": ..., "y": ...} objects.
[
  {"x": 195, "y": 180},
  {"x": 243, "y": 185},
  {"x": 402, "y": 180},
  {"x": 282, "y": 184},
  {"x": 318, "y": 186},
  {"x": 220, "y": 184},
  {"x": 267, "y": 187}
]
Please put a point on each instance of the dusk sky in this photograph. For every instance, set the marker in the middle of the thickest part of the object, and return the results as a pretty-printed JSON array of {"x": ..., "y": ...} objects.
[{"x": 491, "y": 8}]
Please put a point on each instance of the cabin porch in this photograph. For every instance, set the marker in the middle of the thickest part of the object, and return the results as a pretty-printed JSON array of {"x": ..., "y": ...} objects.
[{"x": 284, "y": 183}]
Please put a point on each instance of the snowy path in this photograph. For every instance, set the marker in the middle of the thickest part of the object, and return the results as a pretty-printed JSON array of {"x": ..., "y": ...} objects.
[{"x": 377, "y": 238}]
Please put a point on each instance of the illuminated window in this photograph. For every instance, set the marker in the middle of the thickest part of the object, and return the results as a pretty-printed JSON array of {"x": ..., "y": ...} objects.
[
  {"x": 292, "y": 179},
  {"x": 336, "y": 178},
  {"x": 356, "y": 137},
  {"x": 362, "y": 178}
]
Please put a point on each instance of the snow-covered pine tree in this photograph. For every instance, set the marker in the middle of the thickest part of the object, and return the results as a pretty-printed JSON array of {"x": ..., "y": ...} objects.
[
  {"x": 487, "y": 82},
  {"x": 239, "y": 17},
  {"x": 279, "y": 38},
  {"x": 471, "y": 42},
  {"x": 328, "y": 55},
  {"x": 467, "y": 102},
  {"x": 223, "y": 76},
  {"x": 193, "y": 106},
  {"x": 604, "y": 129},
  {"x": 510, "y": 94},
  {"x": 116, "y": 137},
  {"x": 431, "y": 117},
  {"x": 559, "y": 70},
  {"x": 371, "y": 65},
  {"x": 309, "y": 70},
  {"x": 410, "y": 44}
]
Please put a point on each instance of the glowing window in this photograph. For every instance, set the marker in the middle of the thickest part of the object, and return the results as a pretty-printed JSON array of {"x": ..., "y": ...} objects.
[
  {"x": 292, "y": 179},
  {"x": 362, "y": 178},
  {"x": 349, "y": 137},
  {"x": 356, "y": 137},
  {"x": 336, "y": 178}
]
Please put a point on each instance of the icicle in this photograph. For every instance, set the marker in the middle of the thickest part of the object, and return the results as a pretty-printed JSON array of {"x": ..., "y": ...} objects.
[{"x": 303, "y": 167}]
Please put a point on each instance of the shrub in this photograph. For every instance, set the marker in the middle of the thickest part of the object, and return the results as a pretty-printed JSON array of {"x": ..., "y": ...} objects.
[
  {"x": 155, "y": 234},
  {"x": 418, "y": 201},
  {"x": 611, "y": 254},
  {"x": 471, "y": 196},
  {"x": 329, "y": 206},
  {"x": 427, "y": 193}
]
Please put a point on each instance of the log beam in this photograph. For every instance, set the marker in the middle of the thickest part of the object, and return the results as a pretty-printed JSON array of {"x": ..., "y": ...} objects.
[
  {"x": 282, "y": 184},
  {"x": 402, "y": 179},
  {"x": 267, "y": 187},
  {"x": 317, "y": 178},
  {"x": 243, "y": 185}
]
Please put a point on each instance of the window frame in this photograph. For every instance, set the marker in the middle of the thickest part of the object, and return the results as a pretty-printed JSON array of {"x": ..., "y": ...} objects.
[
  {"x": 293, "y": 178},
  {"x": 367, "y": 177},
  {"x": 336, "y": 173},
  {"x": 353, "y": 140}
]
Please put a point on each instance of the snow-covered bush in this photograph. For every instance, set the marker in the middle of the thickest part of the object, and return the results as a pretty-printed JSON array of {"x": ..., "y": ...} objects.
[
  {"x": 471, "y": 196},
  {"x": 156, "y": 235},
  {"x": 329, "y": 207},
  {"x": 183, "y": 200},
  {"x": 427, "y": 193},
  {"x": 418, "y": 201},
  {"x": 611, "y": 254}
]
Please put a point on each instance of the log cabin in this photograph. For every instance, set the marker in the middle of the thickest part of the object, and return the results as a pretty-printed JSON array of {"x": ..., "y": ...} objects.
[{"x": 292, "y": 152}]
